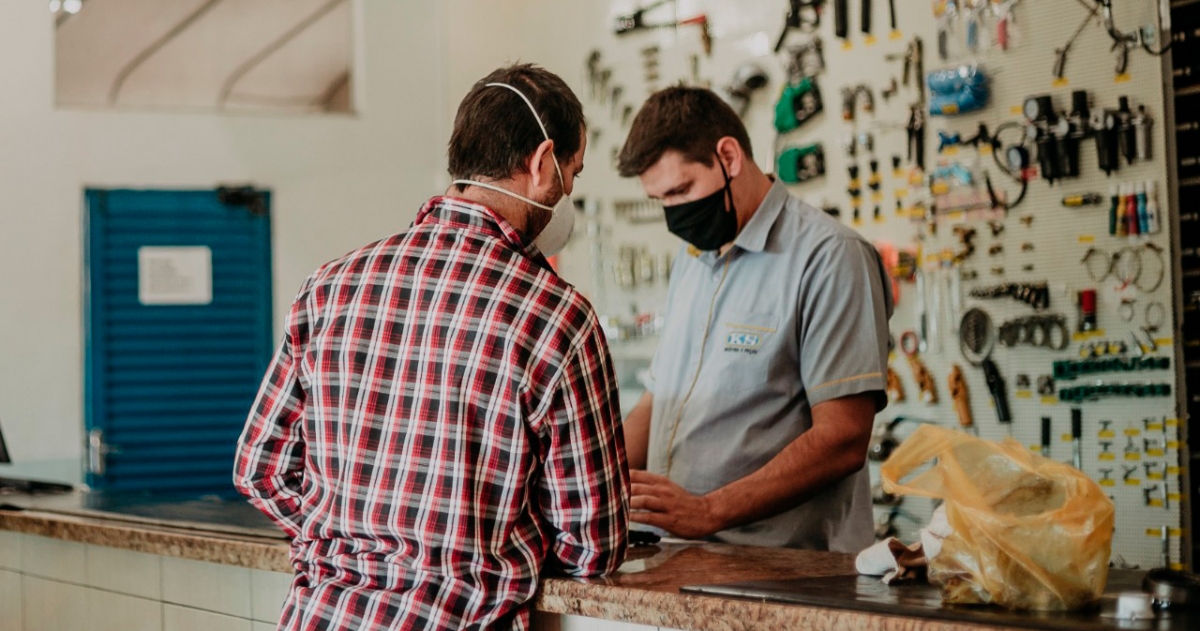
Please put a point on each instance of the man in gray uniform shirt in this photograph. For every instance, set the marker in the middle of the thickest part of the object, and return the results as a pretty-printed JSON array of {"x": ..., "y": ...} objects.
[{"x": 773, "y": 357}]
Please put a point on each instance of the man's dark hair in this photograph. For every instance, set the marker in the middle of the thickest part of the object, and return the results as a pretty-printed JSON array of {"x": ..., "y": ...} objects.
[
  {"x": 494, "y": 131},
  {"x": 687, "y": 120}
]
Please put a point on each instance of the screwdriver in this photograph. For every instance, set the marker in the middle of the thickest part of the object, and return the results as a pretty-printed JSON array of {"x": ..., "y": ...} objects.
[
  {"x": 1084, "y": 199},
  {"x": 1045, "y": 436},
  {"x": 1077, "y": 438}
]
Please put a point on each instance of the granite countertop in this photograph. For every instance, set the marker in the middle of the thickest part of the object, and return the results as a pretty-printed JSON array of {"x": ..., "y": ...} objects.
[{"x": 645, "y": 591}]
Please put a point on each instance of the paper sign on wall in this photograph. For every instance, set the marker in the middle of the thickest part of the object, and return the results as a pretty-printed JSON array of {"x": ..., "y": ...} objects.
[{"x": 175, "y": 275}]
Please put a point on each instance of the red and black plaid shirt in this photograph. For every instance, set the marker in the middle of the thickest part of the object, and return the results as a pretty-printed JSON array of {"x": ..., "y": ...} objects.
[{"x": 440, "y": 420}]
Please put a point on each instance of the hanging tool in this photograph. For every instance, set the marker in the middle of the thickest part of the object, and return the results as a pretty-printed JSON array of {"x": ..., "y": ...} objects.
[
  {"x": 977, "y": 339},
  {"x": 865, "y": 24},
  {"x": 910, "y": 347},
  {"x": 1060, "y": 55},
  {"x": 895, "y": 387},
  {"x": 636, "y": 21},
  {"x": 804, "y": 16},
  {"x": 1045, "y": 436},
  {"x": 841, "y": 19},
  {"x": 1077, "y": 438},
  {"x": 922, "y": 313},
  {"x": 892, "y": 14},
  {"x": 962, "y": 400}
]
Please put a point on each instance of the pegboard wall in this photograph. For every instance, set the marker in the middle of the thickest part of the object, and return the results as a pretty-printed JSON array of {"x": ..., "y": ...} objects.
[{"x": 1135, "y": 446}]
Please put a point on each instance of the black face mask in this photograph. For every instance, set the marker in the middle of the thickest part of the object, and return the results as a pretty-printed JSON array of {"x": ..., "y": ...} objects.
[{"x": 705, "y": 223}]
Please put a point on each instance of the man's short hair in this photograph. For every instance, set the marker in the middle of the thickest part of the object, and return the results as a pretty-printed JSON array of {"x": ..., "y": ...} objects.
[
  {"x": 494, "y": 131},
  {"x": 687, "y": 120}
]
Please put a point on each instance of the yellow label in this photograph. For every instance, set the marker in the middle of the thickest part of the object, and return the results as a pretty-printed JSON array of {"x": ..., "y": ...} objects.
[
  {"x": 941, "y": 188},
  {"x": 1067, "y": 438},
  {"x": 895, "y": 35},
  {"x": 1087, "y": 238},
  {"x": 1156, "y": 503},
  {"x": 1016, "y": 109},
  {"x": 1171, "y": 532},
  {"x": 949, "y": 109},
  {"x": 1108, "y": 482},
  {"x": 856, "y": 183},
  {"x": 1122, "y": 78},
  {"x": 1108, "y": 457},
  {"x": 1154, "y": 426},
  {"x": 897, "y": 173},
  {"x": 870, "y": 40},
  {"x": 1154, "y": 453},
  {"x": 901, "y": 193},
  {"x": 1049, "y": 401},
  {"x": 880, "y": 219},
  {"x": 957, "y": 215},
  {"x": 1132, "y": 482},
  {"x": 1174, "y": 497},
  {"x": 1024, "y": 394},
  {"x": 1133, "y": 456},
  {"x": 1172, "y": 422},
  {"x": 1165, "y": 341},
  {"x": 1107, "y": 433},
  {"x": 985, "y": 150},
  {"x": 951, "y": 150},
  {"x": 858, "y": 222},
  {"x": 1174, "y": 470},
  {"x": 1035, "y": 448},
  {"x": 1059, "y": 83},
  {"x": 1133, "y": 432},
  {"x": 877, "y": 197},
  {"x": 1177, "y": 566},
  {"x": 847, "y": 45},
  {"x": 1154, "y": 476},
  {"x": 1087, "y": 335},
  {"x": 1172, "y": 444}
]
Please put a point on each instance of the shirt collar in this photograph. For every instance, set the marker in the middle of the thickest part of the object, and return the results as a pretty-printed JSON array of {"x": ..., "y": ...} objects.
[
  {"x": 464, "y": 214},
  {"x": 753, "y": 237}
]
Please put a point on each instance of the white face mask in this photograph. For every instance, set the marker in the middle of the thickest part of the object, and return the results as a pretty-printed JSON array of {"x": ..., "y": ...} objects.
[{"x": 555, "y": 235}]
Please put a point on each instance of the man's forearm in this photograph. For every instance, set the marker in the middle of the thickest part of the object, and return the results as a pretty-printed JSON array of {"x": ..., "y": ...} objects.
[
  {"x": 637, "y": 432},
  {"x": 818, "y": 459}
]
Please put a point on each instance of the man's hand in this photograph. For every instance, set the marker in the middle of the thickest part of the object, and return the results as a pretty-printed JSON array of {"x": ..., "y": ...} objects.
[{"x": 659, "y": 502}]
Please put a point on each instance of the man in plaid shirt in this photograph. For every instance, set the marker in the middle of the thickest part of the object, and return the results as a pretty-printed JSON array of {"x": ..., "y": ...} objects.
[{"x": 441, "y": 418}]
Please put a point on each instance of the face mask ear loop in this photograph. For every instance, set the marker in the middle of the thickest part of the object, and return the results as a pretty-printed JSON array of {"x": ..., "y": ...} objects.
[
  {"x": 542, "y": 126},
  {"x": 728, "y": 188}
]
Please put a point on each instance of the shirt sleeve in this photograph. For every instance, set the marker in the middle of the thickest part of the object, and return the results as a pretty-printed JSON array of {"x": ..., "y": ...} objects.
[
  {"x": 269, "y": 467},
  {"x": 583, "y": 492},
  {"x": 844, "y": 308}
]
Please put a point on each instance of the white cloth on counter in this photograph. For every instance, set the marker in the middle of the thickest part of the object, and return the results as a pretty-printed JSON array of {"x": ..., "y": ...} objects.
[{"x": 892, "y": 560}]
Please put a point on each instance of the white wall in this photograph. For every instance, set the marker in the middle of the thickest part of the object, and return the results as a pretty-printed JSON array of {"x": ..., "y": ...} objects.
[{"x": 339, "y": 182}]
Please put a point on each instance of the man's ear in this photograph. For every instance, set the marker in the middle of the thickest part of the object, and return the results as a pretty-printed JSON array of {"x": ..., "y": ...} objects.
[
  {"x": 541, "y": 164},
  {"x": 729, "y": 150}
]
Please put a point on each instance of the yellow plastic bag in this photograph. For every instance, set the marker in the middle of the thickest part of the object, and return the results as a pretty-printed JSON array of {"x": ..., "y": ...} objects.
[{"x": 1029, "y": 532}]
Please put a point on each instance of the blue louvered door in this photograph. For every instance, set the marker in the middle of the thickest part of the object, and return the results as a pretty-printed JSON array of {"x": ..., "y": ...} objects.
[{"x": 178, "y": 330}]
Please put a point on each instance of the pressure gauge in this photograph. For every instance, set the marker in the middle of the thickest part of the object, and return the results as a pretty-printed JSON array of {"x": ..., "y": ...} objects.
[
  {"x": 1038, "y": 108},
  {"x": 1017, "y": 158}
]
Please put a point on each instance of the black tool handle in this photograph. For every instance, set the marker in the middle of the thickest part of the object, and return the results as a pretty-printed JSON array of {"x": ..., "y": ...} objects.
[
  {"x": 866, "y": 16},
  {"x": 841, "y": 18},
  {"x": 892, "y": 12},
  {"x": 1076, "y": 423},
  {"x": 1046, "y": 436},
  {"x": 996, "y": 386}
]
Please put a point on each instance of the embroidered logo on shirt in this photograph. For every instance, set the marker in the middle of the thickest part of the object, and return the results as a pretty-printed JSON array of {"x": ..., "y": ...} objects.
[{"x": 743, "y": 342}]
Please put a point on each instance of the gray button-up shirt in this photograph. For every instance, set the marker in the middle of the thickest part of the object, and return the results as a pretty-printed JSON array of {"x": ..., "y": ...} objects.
[{"x": 796, "y": 313}]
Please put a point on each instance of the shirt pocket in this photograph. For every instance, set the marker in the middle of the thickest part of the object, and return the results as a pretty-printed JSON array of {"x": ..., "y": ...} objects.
[{"x": 745, "y": 345}]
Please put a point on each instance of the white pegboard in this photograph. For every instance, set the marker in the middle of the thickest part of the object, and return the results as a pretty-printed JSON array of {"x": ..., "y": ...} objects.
[{"x": 1059, "y": 236}]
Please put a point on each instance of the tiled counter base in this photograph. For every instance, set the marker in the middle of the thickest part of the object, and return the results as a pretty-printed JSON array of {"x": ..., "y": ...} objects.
[{"x": 55, "y": 585}]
